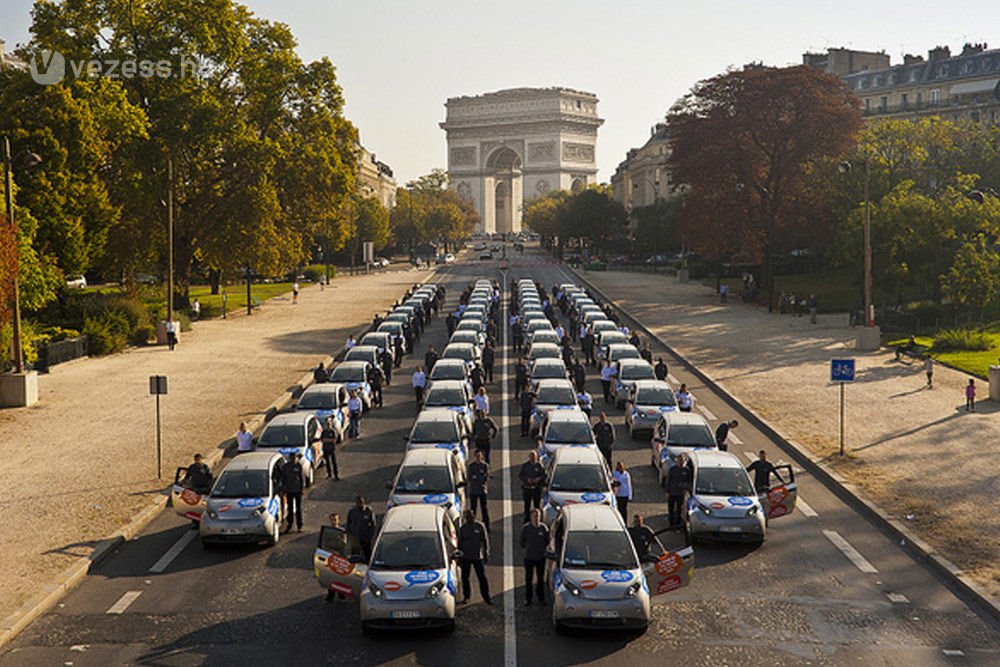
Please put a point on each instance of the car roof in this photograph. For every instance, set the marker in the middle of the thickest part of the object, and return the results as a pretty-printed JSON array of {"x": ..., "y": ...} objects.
[
  {"x": 286, "y": 418},
  {"x": 448, "y": 384},
  {"x": 423, "y": 456},
  {"x": 436, "y": 415},
  {"x": 357, "y": 363},
  {"x": 253, "y": 461},
  {"x": 363, "y": 348},
  {"x": 686, "y": 418},
  {"x": 323, "y": 388},
  {"x": 633, "y": 362},
  {"x": 405, "y": 518},
  {"x": 715, "y": 458},
  {"x": 457, "y": 346},
  {"x": 554, "y": 382},
  {"x": 651, "y": 384},
  {"x": 578, "y": 455},
  {"x": 543, "y": 345},
  {"x": 560, "y": 416},
  {"x": 620, "y": 346},
  {"x": 549, "y": 361},
  {"x": 448, "y": 362},
  {"x": 592, "y": 516}
]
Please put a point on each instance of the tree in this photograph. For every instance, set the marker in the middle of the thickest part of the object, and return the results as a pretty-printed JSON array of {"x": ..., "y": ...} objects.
[
  {"x": 427, "y": 211},
  {"x": 744, "y": 144},
  {"x": 593, "y": 216},
  {"x": 368, "y": 221},
  {"x": 973, "y": 280},
  {"x": 542, "y": 215},
  {"x": 656, "y": 225}
]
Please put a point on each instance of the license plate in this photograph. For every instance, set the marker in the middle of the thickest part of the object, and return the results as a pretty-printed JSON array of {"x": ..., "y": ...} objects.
[
  {"x": 231, "y": 531},
  {"x": 407, "y": 613},
  {"x": 604, "y": 613},
  {"x": 730, "y": 529}
]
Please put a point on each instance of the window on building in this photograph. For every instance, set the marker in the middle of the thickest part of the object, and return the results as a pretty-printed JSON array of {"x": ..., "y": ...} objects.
[
  {"x": 868, "y": 105},
  {"x": 914, "y": 73},
  {"x": 935, "y": 96},
  {"x": 920, "y": 98},
  {"x": 904, "y": 100},
  {"x": 943, "y": 70},
  {"x": 883, "y": 103},
  {"x": 967, "y": 67},
  {"x": 878, "y": 81}
]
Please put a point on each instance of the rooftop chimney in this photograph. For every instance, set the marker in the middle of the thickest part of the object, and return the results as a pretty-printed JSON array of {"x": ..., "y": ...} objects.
[{"x": 939, "y": 53}]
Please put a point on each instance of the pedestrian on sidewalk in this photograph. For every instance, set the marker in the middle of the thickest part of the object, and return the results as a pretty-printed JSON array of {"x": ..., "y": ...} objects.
[
  {"x": 320, "y": 375},
  {"x": 660, "y": 370},
  {"x": 813, "y": 304},
  {"x": 685, "y": 401},
  {"x": 244, "y": 439},
  {"x": 622, "y": 483},
  {"x": 604, "y": 436},
  {"x": 607, "y": 375},
  {"x": 484, "y": 430},
  {"x": 970, "y": 396},
  {"x": 534, "y": 540},
  {"x": 722, "y": 433},
  {"x": 361, "y": 524},
  {"x": 329, "y": 439},
  {"x": 172, "y": 334},
  {"x": 489, "y": 358},
  {"x": 678, "y": 484},
  {"x": 478, "y": 475},
  {"x": 419, "y": 384},
  {"x": 532, "y": 477},
  {"x": 474, "y": 543},
  {"x": 929, "y": 370},
  {"x": 295, "y": 292},
  {"x": 196, "y": 310},
  {"x": 354, "y": 407},
  {"x": 293, "y": 480}
]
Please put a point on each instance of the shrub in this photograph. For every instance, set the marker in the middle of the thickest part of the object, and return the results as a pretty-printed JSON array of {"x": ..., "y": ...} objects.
[
  {"x": 961, "y": 339},
  {"x": 105, "y": 334}
]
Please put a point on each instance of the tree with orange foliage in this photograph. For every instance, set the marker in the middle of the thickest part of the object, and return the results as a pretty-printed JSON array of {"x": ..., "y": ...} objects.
[{"x": 744, "y": 143}]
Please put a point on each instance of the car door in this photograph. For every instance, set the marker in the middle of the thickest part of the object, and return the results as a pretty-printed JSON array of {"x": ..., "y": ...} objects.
[
  {"x": 659, "y": 441},
  {"x": 186, "y": 502},
  {"x": 339, "y": 562},
  {"x": 779, "y": 501},
  {"x": 673, "y": 565},
  {"x": 458, "y": 475}
]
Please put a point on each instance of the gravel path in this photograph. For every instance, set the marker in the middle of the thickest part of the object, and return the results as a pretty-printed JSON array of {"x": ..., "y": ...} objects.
[
  {"x": 914, "y": 451},
  {"x": 82, "y": 461}
]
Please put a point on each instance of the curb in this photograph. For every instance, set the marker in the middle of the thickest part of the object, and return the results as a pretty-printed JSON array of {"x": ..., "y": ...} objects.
[
  {"x": 950, "y": 574},
  {"x": 51, "y": 593}
]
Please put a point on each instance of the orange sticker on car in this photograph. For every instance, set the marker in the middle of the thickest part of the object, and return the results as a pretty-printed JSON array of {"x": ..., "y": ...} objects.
[
  {"x": 190, "y": 496},
  {"x": 339, "y": 565},
  {"x": 669, "y": 584},
  {"x": 588, "y": 584},
  {"x": 669, "y": 563},
  {"x": 392, "y": 586},
  {"x": 777, "y": 495}
]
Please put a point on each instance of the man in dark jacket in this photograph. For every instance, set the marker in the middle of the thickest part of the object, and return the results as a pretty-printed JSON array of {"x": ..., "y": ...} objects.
[
  {"x": 385, "y": 360},
  {"x": 489, "y": 357},
  {"x": 642, "y": 536},
  {"x": 587, "y": 347},
  {"x": 520, "y": 377},
  {"x": 484, "y": 430},
  {"x": 476, "y": 378},
  {"x": 532, "y": 477},
  {"x": 361, "y": 524},
  {"x": 579, "y": 375},
  {"x": 678, "y": 483},
  {"x": 478, "y": 475},
  {"x": 527, "y": 404},
  {"x": 198, "y": 477},
  {"x": 292, "y": 482},
  {"x": 430, "y": 358},
  {"x": 762, "y": 470},
  {"x": 660, "y": 370},
  {"x": 722, "y": 433},
  {"x": 329, "y": 440},
  {"x": 604, "y": 436},
  {"x": 474, "y": 543},
  {"x": 320, "y": 375},
  {"x": 375, "y": 378},
  {"x": 534, "y": 540}
]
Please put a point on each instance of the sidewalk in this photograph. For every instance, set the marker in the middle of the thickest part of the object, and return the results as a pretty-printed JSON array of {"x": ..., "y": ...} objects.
[
  {"x": 913, "y": 450},
  {"x": 82, "y": 462}
]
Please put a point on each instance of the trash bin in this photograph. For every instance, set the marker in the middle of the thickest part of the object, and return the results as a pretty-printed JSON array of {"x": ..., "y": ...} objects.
[{"x": 995, "y": 383}]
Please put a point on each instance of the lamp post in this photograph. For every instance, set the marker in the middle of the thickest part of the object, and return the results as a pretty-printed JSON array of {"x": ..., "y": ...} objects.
[
  {"x": 170, "y": 239},
  {"x": 868, "y": 339}
]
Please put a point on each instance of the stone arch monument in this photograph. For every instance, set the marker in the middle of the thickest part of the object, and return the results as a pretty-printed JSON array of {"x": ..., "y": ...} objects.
[{"x": 509, "y": 146}]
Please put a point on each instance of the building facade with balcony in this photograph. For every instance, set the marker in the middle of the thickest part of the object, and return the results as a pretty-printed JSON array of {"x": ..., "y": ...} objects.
[
  {"x": 375, "y": 178},
  {"x": 644, "y": 175}
]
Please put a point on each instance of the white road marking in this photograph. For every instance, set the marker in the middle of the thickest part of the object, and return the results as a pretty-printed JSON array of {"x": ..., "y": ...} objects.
[
  {"x": 123, "y": 602},
  {"x": 673, "y": 380},
  {"x": 803, "y": 507},
  {"x": 849, "y": 551},
  {"x": 898, "y": 598},
  {"x": 734, "y": 439},
  {"x": 708, "y": 413},
  {"x": 751, "y": 456},
  {"x": 509, "y": 618},
  {"x": 173, "y": 552},
  {"x": 953, "y": 652}
]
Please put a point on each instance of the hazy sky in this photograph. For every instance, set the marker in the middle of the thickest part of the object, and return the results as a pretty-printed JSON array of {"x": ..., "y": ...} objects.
[{"x": 399, "y": 60}]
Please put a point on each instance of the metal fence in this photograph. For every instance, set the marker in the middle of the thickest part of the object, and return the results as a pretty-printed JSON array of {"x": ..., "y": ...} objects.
[{"x": 61, "y": 351}]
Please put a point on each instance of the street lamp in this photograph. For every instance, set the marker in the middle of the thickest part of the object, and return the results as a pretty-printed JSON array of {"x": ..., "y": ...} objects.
[
  {"x": 869, "y": 340},
  {"x": 30, "y": 160},
  {"x": 170, "y": 240}
]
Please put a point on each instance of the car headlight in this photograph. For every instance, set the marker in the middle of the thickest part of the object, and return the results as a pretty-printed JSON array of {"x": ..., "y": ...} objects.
[
  {"x": 752, "y": 511},
  {"x": 633, "y": 590},
  {"x": 435, "y": 590},
  {"x": 212, "y": 514},
  {"x": 573, "y": 589},
  {"x": 375, "y": 590}
]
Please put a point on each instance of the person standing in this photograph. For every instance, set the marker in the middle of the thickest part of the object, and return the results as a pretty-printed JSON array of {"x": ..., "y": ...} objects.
[
  {"x": 397, "y": 346},
  {"x": 607, "y": 376},
  {"x": 198, "y": 477},
  {"x": 489, "y": 358},
  {"x": 244, "y": 439},
  {"x": 361, "y": 524},
  {"x": 660, "y": 370},
  {"x": 586, "y": 402},
  {"x": 430, "y": 358},
  {"x": 478, "y": 474},
  {"x": 295, "y": 292},
  {"x": 375, "y": 380},
  {"x": 474, "y": 543},
  {"x": 329, "y": 440},
  {"x": 320, "y": 375},
  {"x": 476, "y": 378},
  {"x": 341, "y": 539},
  {"x": 172, "y": 334},
  {"x": 482, "y": 401},
  {"x": 587, "y": 346},
  {"x": 929, "y": 370},
  {"x": 646, "y": 354},
  {"x": 642, "y": 536},
  {"x": 970, "y": 396},
  {"x": 517, "y": 333},
  {"x": 349, "y": 343},
  {"x": 484, "y": 430},
  {"x": 678, "y": 484},
  {"x": 520, "y": 377},
  {"x": 527, "y": 403},
  {"x": 534, "y": 540},
  {"x": 419, "y": 384},
  {"x": 813, "y": 304},
  {"x": 579, "y": 375},
  {"x": 354, "y": 406},
  {"x": 685, "y": 401},
  {"x": 622, "y": 483},
  {"x": 722, "y": 432},
  {"x": 292, "y": 482},
  {"x": 385, "y": 360},
  {"x": 604, "y": 435},
  {"x": 762, "y": 470},
  {"x": 532, "y": 477},
  {"x": 196, "y": 310}
]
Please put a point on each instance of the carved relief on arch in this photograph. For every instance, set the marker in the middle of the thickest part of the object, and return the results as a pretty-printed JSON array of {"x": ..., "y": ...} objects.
[{"x": 464, "y": 191}]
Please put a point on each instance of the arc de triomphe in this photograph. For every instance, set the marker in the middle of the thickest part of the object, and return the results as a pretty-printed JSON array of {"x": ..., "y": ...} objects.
[{"x": 506, "y": 147}]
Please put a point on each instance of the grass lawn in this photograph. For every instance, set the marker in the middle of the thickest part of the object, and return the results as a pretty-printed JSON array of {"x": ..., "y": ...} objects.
[
  {"x": 211, "y": 304},
  {"x": 973, "y": 362}
]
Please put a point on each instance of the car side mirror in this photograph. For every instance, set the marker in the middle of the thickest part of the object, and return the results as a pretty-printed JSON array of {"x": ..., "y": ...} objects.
[{"x": 550, "y": 554}]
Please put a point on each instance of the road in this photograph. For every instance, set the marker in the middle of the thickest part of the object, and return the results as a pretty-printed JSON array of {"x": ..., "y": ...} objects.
[{"x": 826, "y": 587}]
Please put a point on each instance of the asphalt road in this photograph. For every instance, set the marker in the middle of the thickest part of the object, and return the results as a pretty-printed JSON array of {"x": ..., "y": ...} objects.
[{"x": 825, "y": 588}]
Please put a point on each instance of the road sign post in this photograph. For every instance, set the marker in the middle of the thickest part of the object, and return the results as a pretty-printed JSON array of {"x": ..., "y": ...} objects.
[
  {"x": 158, "y": 387},
  {"x": 842, "y": 371}
]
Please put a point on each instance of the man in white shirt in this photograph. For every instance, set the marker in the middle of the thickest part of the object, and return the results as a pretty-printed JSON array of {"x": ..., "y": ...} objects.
[
  {"x": 419, "y": 383},
  {"x": 244, "y": 439},
  {"x": 623, "y": 488},
  {"x": 685, "y": 401}
]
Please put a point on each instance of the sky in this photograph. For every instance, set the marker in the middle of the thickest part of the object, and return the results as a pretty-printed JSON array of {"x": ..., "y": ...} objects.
[{"x": 400, "y": 60}]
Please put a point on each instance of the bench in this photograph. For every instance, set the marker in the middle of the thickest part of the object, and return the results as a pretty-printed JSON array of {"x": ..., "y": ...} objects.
[{"x": 915, "y": 351}]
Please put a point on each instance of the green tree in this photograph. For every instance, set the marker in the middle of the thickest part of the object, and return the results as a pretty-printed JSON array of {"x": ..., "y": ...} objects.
[
  {"x": 973, "y": 280},
  {"x": 656, "y": 225}
]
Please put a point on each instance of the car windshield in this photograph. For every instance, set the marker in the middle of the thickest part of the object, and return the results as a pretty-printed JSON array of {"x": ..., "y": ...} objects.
[
  {"x": 723, "y": 482},
  {"x": 464, "y": 353},
  {"x": 464, "y": 337},
  {"x": 599, "y": 550},
  {"x": 444, "y": 396},
  {"x": 318, "y": 401},
  {"x": 448, "y": 372},
  {"x": 573, "y": 477},
  {"x": 358, "y": 354},
  {"x": 609, "y": 337},
  {"x": 377, "y": 340},
  {"x": 241, "y": 484},
  {"x": 555, "y": 396},
  {"x": 469, "y": 325},
  {"x": 282, "y": 435},
  {"x": 568, "y": 432},
  {"x": 432, "y": 432},
  {"x": 690, "y": 435},
  {"x": 657, "y": 396},
  {"x": 543, "y": 351},
  {"x": 424, "y": 479},
  {"x": 545, "y": 336},
  {"x": 348, "y": 374},
  {"x": 637, "y": 372},
  {"x": 548, "y": 371},
  {"x": 408, "y": 551}
]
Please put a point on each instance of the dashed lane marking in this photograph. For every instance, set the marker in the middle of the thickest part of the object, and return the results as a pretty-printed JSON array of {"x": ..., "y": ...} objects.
[
  {"x": 734, "y": 439},
  {"x": 673, "y": 380},
  {"x": 898, "y": 598},
  {"x": 804, "y": 507},
  {"x": 123, "y": 602},
  {"x": 173, "y": 552},
  {"x": 708, "y": 413},
  {"x": 953, "y": 652},
  {"x": 509, "y": 616},
  {"x": 852, "y": 554}
]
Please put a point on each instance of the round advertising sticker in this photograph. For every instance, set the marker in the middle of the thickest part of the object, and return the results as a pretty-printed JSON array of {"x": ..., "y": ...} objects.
[
  {"x": 190, "y": 496},
  {"x": 392, "y": 586},
  {"x": 339, "y": 565},
  {"x": 669, "y": 563},
  {"x": 775, "y": 496},
  {"x": 588, "y": 584},
  {"x": 669, "y": 584}
]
